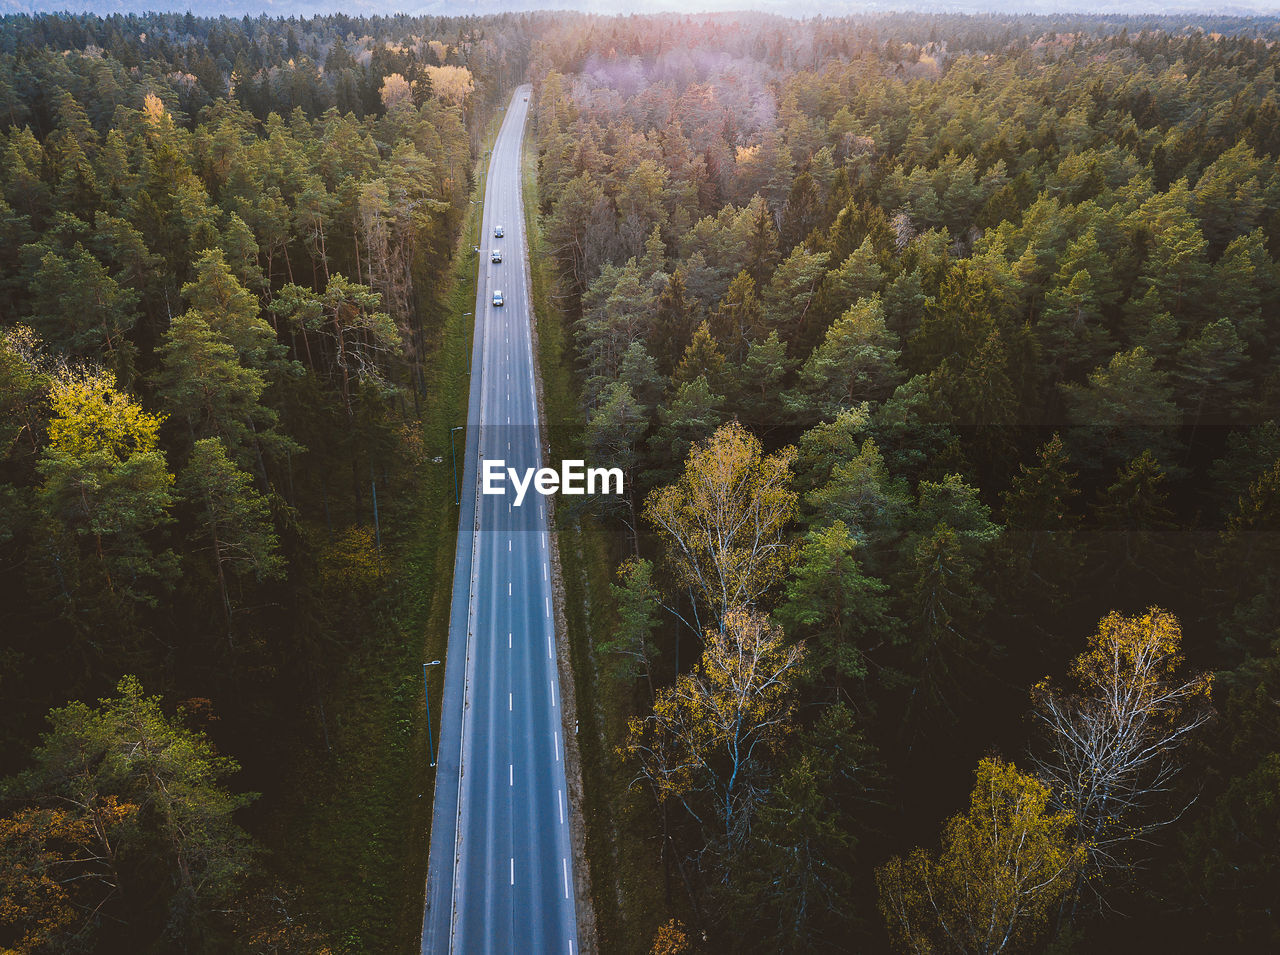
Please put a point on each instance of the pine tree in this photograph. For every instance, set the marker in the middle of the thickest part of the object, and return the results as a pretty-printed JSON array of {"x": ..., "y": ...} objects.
[{"x": 236, "y": 519}]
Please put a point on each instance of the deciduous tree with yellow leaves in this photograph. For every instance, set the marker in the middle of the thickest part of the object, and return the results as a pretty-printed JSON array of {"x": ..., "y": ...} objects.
[
  {"x": 706, "y": 742},
  {"x": 723, "y": 521},
  {"x": 1112, "y": 740},
  {"x": 1003, "y": 867},
  {"x": 105, "y": 489}
]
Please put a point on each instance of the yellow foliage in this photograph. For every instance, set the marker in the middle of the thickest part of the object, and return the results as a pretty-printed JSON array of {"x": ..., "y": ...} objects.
[
  {"x": 671, "y": 939},
  {"x": 724, "y": 518},
  {"x": 1003, "y": 867},
  {"x": 44, "y": 854},
  {"x": 396, "y": 91},
  {"x": 153, "y": 110},
  {"x": 706, "y": 727},
  {"x": 350, "y": 563},
  {"x": 1136, "y": 657},
  {"x": 92, "y": 416},
  {"x": 452, "y": 84}
]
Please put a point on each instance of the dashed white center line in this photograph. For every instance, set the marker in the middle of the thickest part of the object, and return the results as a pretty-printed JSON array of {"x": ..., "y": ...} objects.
[
  {"x": 544, "y": 571},
  {"x": 508, "y": 641},
  {"x": 513, "y": 870},
  {"x": 509, "y": 699},
  {"x": 508, "y": 588},
  {"x": 553, "y": 693},
  {"x": 511, "y": 773},
  {"x": 508, "y": 546},
  {"x": 560, "y": 793},
  {"x": 547, "y": 600},
  {"x": 566, "y": 877},
  {"x": 557, "y": 732},
  {"x": 548, "y": 646}
]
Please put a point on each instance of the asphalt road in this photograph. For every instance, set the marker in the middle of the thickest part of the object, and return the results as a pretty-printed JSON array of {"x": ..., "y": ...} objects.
[{"x": 500, "y": 875}]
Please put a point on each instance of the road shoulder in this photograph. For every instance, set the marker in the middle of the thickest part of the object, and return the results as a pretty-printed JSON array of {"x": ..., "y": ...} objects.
[{"x": 584, "y": 908}]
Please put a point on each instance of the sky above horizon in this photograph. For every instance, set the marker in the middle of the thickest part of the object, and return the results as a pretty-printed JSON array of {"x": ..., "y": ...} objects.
[{"x": 800, "y": 8}]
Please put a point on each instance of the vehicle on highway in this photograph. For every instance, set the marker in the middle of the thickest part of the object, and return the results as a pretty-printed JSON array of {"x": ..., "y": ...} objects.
[
  {"x": 497, "y": 232},
  {"x": 496, "y": 256},
  {"x": 497, "y": 297}
]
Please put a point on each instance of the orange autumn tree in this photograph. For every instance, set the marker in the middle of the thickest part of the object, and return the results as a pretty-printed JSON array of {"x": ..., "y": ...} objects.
[{"x": 55, "y": 864}]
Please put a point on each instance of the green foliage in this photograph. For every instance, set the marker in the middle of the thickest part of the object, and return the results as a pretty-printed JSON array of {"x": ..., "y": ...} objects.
[
  {"x": 856, "y": 362},
  {"x": 237, "y": 521},
  {"x": 228, "y": 247},
  {"x": 1034, "y": 273},
  {"x": 631, "y": 649},
  {"x": 176, "y": 845},
  {"x": 1126, "y": 407},
  {"x": 105, "y": 487},
  {"x": 831, "y": 599}
]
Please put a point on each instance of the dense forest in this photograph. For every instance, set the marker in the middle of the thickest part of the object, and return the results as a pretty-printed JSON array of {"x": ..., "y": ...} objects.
[
  {"x": 224, "y": 247},
  {"x": 941, "y": 355}
]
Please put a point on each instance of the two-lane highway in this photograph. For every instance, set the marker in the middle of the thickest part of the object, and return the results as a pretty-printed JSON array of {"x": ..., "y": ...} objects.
[{"x": 500, "y": 875}]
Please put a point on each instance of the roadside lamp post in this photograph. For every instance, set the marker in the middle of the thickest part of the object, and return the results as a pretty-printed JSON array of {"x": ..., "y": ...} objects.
[
  {"x": 431, "y": 745},
  {"x": 457, "y": 499}
]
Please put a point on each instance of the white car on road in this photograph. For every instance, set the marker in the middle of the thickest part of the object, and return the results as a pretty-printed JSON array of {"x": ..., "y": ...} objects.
[
  {"x": 497, "y": 232},
  {"x": 496, "y": 256},
  {"x": 497, "y": 297}
]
